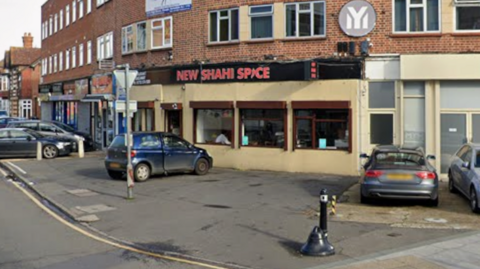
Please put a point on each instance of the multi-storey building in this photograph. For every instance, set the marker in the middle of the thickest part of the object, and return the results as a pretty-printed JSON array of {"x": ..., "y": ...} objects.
[
  {"x": 293, "y": 85},
  {"x": 23, "y": 76},
  {"x": 4, "y": 102}
]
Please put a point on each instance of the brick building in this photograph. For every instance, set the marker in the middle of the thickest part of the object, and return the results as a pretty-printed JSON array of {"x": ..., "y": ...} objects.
[
  {"x": 293, "y": 85},
  {"x": 23, "y": 74}
]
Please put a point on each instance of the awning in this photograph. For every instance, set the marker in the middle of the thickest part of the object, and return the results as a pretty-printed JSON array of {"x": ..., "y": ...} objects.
[{"x": 98, "y": 98}]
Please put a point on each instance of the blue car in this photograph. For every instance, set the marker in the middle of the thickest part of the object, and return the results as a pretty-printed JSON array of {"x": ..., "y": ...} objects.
[
  {"x": 155, "y": 153},
  {"x": 464, "y": 174}
]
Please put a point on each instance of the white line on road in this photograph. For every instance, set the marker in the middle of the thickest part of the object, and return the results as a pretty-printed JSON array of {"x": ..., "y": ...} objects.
[
  {"x": 3, "y": 172},
  {"x": 16, "y": 167}
]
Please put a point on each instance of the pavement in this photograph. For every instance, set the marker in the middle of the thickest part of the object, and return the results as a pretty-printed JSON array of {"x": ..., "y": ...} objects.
[{"x": 255, "y": 219}]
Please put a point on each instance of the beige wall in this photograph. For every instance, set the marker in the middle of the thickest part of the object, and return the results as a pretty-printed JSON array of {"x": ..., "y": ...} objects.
[
  {"x": 319, "y": 161},
  {"x": 441, "y": 67},
  {"x": 447, "y": 16}
]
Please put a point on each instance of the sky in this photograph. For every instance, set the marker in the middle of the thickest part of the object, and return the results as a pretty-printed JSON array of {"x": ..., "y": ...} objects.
[{"x": 18, "y": 17}]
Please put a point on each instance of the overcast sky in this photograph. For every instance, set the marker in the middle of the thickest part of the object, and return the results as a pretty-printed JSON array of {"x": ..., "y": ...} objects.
[{"x": 18, "y": 17}]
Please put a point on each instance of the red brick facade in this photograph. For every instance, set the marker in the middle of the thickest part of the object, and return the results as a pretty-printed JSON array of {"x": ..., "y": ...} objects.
[{"x": 190, "y": 36}]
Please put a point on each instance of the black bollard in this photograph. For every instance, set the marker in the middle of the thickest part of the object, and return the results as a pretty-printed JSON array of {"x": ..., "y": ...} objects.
[{"x": 317, "y": 242}]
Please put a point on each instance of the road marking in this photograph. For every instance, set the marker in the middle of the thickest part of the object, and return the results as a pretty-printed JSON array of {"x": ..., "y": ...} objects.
[
  {"x": 16, "y": 167},
  {"x": 108, "y": 242},
  {"x": 3, "y": 172}
]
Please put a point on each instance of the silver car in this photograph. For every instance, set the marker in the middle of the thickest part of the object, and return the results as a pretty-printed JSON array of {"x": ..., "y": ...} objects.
[
  {"x": 393, "y": 172},
  {"x": 464, "y": 174}
]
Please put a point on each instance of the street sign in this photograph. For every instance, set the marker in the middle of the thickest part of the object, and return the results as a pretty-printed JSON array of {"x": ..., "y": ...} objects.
[
  {"x": 120, "y": 106},
  {"x": 120, "y": 76}
]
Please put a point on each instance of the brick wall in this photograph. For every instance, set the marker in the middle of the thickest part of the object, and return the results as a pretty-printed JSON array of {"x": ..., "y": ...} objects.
[{"x": 190, "y": 36}]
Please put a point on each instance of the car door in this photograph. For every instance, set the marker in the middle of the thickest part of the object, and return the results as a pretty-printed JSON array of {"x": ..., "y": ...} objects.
[
  {"x": 149, "y": 147},
  {"x": 466, "y": 172},
  {"x": 4, "y": 144},
  {"x": 179, "y": 154},
  {"x": 456, "y": 165},
  {"x": 22, "y": 144}
]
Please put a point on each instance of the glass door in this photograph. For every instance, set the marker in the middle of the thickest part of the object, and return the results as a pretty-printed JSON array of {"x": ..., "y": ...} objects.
[
  {"x": 453, "y": 135},
  {"x": 174, "y": 122}
]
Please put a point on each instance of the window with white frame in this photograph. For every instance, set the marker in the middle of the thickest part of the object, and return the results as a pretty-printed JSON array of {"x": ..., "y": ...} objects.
[
  {"x": 4, "y": 83},
  {"x": 412, "y": 16},
  {"x": 67, "y": 59},
  {"x": 67, "y": 15},
  {"x": 224, "y": 25},
  {"x": 50, "y": 64},
  {"x": 55, "y": 67},
  {"x": 60, "y": 25},
  {"x": 141, "y": 36},
  {"x": 50, "y": 28},
  {"x": 55, "y": 28},
  {"x": 80, "y": 55},
  {"x": 261, "y": 21},
  {"x": 105, "y": 46},
  {"x": 162, "y": 33},
  {"x": 467, "y": 15},
  {"x": 305, "y": 19},
  {"x": 46, "y": 29},
  {"x": 74, "y": 11},
  {"x": 80, "y": 9},
  {"x": 25, "y": 109},
  {"x": 89, "y": 6},
  {"x": 44, "y": 67},
  {"x": 127, "y": 39},
  {"x": 42, "y": 33},
  {"x": 60, "y": 61},
  {"x": 89, "y": 52},
  {"x": 74, "y": 57},
  {"x": 101, "y": 2}
]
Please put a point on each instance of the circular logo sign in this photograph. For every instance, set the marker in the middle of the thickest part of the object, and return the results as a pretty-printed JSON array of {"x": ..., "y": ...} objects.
[{"x": 357, "y": 18}]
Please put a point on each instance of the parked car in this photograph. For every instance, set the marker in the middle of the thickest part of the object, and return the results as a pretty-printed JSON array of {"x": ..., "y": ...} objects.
[
  {"x": 3, "y": 113},
  {"x": 22, "y": 142},
  {"x": 55, "y": 128},
  {"x": 464, "y": 174},
  {"x": 156, "y": 153},
  {"x": 393, "y": 172},
  {"x": 5, "y": 120}
]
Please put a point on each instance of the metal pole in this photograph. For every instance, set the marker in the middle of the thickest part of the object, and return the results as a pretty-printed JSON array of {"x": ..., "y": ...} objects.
[
  {"x": 129, "y": 148},
  {"x": 323, "y": 210}
]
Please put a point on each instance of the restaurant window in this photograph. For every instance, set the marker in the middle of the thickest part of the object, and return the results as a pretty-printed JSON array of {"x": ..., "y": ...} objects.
[
  {"x": 214, "y": 126},
  {"x": 327, "y": 128},
  {"x": 261, "y": 18},
  {"x": 305, "y": 19},
  {"x": 224, "y": 25},
  {"x": 262, "y": 124}
]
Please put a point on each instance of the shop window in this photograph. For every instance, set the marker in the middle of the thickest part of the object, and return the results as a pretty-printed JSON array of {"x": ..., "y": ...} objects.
[
  {"x": 467, "y": 15},
  {"x": 214, "y": 126},
  {"x": 127, "y": 39},
  {"x": 414, "y": 114},
  {"x": 224, "y": 25},
  {"x": 262, "y": 127},
  {"x": 322, "y": 129},
  {"x": 261, "y": 20},
  {"x": 142, "y": 36},
  {"x": 305, "y": 19},
  {"x": 162, "y": 33},
  {"x": 416, "y": 16}
]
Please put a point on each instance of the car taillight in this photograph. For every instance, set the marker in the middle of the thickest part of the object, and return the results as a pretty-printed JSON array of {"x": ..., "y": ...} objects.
[
  {"x": 373, "y": 173},
  {"x": 133, "y": 153},
  {"x": 426, "y": 175}
]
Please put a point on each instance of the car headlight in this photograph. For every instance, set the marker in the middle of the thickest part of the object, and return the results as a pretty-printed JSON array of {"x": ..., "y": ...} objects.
[{"x": 62, "y": 145}]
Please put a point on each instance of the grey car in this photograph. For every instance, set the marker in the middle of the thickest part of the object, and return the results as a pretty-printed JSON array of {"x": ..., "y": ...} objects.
[
  {"x": 393, "y": 172},
  {"x": 464, "y": 174}
]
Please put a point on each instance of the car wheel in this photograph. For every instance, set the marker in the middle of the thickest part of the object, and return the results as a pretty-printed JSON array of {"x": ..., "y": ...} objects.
[
  {"x": 451, "y": 184},
  {"x": 115, "y": 174},
  {"x": 50, "y": 152},
  {"x": 365, "y": 200},
  {"x": 433, "y": 203},
  {"x": 142, "y": 172},
  {"x": 201, "y": 167},
  {"x": 474, "y": 201}
]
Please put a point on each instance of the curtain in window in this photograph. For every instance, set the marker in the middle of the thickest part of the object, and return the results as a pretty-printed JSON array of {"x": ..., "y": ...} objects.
[
  {"x": 400, "y": 15},
  {"x": 141, "y": 36},
  {"x": 262, "y": 27},
  {"x": 416, "y": 20},
  {"x": 157, "y": 33}
]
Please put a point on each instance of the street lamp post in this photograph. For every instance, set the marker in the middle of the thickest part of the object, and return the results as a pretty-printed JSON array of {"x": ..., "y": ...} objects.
[{"x": 129, "y": 147}]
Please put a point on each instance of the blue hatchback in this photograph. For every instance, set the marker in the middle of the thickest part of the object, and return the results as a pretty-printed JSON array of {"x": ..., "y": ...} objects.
[{"x": 156, "y": 153}]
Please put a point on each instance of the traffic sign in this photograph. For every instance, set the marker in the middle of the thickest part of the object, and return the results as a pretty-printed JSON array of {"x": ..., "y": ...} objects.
[{"x": 120, "y": 76}]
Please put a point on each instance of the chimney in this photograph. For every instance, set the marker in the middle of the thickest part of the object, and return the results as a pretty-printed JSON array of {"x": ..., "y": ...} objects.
[{"x": 27, "y": 41}]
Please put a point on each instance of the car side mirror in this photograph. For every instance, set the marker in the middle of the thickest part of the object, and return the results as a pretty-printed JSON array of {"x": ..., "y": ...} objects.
[
  {"x": 431, "y": 157},
  {"x": 466, "y": 165},
  {"x": 364, "y": 156}
]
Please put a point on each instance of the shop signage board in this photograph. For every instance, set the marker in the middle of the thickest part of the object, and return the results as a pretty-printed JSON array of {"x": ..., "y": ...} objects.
[
  {"x": 158, "y": 7},
  {"x": 102, "y": 84},
  {"x": 357, "y": 18}
]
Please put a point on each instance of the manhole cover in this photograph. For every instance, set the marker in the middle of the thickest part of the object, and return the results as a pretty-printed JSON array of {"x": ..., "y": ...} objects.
[{"x": 435, "y": 220}]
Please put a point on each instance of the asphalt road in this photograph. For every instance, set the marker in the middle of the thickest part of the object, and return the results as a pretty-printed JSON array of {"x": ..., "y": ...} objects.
[{"x": 31, "y": 238}]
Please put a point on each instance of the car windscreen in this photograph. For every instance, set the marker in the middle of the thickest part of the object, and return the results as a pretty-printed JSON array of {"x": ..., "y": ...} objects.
[
  {"x": 402, "y": 159},
  {"x": 64, "y": 127},
  {"x": 118, "y": 142}
]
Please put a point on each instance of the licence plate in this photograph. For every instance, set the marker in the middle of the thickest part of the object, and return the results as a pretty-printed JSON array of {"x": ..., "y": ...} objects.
[
  {"x": 399, "y": 176},
  {"x": 114, "y": 165}
]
